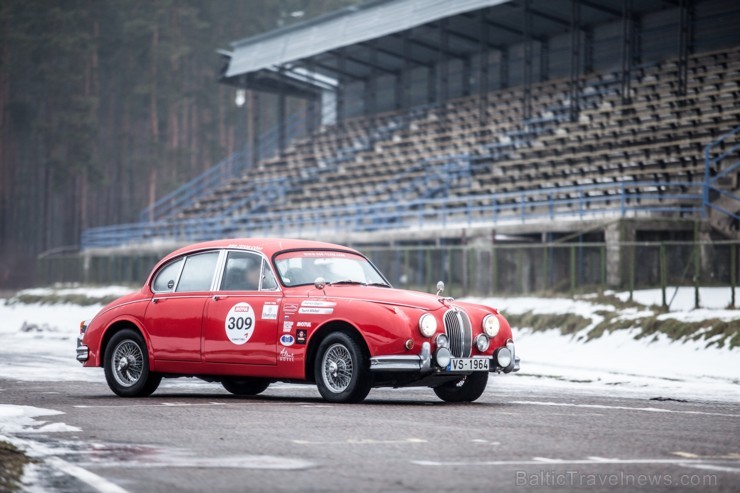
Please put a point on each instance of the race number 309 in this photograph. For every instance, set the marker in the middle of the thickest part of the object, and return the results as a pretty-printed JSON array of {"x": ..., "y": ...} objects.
[{"x": 239, "y": 323}]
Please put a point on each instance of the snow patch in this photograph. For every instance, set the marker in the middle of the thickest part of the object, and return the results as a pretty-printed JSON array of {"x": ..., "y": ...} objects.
[{"x": 22, "y": 419}]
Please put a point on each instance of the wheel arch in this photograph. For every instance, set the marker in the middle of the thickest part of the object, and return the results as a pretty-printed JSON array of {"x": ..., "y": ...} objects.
[
  {"x": 117, "y": 326},
  {"x": 322, "y": 333}
]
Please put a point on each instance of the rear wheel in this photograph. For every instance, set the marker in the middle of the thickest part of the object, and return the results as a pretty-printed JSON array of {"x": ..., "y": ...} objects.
[
  {"x": 467, "y": 389},
  {"x": 246, "y": 386},
  {"x": 342, "y": 369},
  {"x": 126, "y": 363}
]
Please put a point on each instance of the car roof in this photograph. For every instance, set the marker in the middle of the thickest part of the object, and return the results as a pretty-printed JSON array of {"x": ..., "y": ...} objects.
[{"x": 267, "y": 246}]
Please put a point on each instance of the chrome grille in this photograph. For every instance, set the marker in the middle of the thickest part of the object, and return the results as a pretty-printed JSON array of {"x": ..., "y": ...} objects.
[{"x": 460, "y": 332}]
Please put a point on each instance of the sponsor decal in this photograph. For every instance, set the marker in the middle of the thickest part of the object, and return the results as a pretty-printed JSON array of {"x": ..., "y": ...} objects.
[
  {"x": 269, "y": 311},
  {"x": 287, "y": 326},
  {"x": 287, "y": 340},
  {"x": 315, "y": 311},
  {"x": 318, "y": 304},
  {"x": 325, "y": 254},
  {"x": 304, "y": 324},
  {"x": 245, "y": 247},
  {"x": 300, "y": 336},
  {"x": 290, "y": 308},
  {"x": 286, "y": 355},
  {"x": 239, "y": 323}
]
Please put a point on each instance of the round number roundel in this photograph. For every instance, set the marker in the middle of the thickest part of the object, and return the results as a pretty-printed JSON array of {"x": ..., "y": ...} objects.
[{"x": 239, "y": 323}]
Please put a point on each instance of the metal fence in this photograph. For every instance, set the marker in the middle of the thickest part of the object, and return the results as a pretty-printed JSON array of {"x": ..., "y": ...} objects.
[{"x": 474, "y": 270}]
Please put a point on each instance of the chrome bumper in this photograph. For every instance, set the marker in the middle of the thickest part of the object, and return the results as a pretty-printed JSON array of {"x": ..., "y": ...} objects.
[
  {"x": 403, "y": 362},
  {"x": 83, "y": 353},
  {"x": 422, "y": 363}
]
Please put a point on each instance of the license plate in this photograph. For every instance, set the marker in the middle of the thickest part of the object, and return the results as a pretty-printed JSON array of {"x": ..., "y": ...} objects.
[{"x": 468, "y": 364}]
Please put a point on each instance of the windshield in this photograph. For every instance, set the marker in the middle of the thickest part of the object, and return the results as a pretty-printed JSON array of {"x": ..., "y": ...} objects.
[{"x": 302, "y": 268}]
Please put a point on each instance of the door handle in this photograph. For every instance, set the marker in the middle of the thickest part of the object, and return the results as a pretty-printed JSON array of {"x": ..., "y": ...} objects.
[
  {"x": 156, "y": 300},
  {"x": 217, "y": 297}
]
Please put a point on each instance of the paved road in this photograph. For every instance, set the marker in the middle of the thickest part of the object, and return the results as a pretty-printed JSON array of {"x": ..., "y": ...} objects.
[{"x": 198, "y": 438}]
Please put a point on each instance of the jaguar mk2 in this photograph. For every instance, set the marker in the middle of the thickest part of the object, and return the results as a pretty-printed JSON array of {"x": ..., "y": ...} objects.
[{"x": 250, "y": 312}]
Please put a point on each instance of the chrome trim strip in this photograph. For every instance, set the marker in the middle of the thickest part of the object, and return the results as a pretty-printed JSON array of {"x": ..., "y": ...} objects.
[
  {"x": 396, "y": 363},
  {"x": 404, "y": 362}
]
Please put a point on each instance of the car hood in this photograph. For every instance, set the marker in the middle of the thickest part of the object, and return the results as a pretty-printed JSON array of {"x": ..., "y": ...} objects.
[{"x": 386, "y": 296}]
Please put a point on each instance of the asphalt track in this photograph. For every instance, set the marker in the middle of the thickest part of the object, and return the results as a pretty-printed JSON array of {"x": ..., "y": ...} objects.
[{"x": 198, "y": 438}]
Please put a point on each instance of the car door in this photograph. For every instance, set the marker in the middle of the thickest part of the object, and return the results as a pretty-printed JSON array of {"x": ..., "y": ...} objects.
[
  {"x": 240, "y": 322},
  {"x": 174, "y": 316}
]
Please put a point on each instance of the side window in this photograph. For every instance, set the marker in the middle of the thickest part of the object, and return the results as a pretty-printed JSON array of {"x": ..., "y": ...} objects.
[
  {"x": 269, "y": 283},
  {"x": 242, "y": 272},
  {"x": 167, "y": 277},
  {"x": 198, "y": 272}
]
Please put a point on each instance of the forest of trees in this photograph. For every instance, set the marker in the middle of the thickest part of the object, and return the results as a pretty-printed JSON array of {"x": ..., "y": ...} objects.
[{"x": 106, "y": 105}]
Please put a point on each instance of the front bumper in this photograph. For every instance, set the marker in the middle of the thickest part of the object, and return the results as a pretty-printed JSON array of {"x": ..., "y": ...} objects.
[
  {"x": 83, "y": 353},
  {"x": 424, "y": 363}
]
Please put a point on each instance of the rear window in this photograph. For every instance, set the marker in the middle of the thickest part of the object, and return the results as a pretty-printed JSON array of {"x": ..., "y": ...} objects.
[{"x": 197, "y": 274}]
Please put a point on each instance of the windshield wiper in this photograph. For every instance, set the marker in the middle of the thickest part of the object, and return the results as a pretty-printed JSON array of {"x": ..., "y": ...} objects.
[
  {"x": 380, "y": 284},
  {"x": 346, "y": 281}
]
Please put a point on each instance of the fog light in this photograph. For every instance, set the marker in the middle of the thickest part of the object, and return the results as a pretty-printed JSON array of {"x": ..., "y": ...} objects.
[
  {"x": 442, "y": 356},
  {"x": 482, "y": 342},
  {"x": 503, "y": 357},
  {"x": 409, "y": 344},
  {"x": 442, "y": 341}
]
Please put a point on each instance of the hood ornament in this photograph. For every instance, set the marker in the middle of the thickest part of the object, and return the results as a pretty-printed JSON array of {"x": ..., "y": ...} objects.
[{"x": 441, "y": 287}]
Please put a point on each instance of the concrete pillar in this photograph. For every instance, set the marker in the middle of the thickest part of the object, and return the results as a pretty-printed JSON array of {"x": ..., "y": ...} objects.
[{"x": 618, "y": 255}]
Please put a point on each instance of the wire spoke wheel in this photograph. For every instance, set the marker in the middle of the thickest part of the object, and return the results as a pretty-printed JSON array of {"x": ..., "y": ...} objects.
[
  {"x": 341, "y": 368},
  {"x": 128, "y": 363},
  {"x": 337, "y": 368}
]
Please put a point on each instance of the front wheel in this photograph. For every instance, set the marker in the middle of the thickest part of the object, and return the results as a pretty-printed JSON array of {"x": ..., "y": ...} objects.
[
  {"x": 126, "y": 362},
  {"x": 466, "y": 390},
  {"x": 246, "y": 386},
  {"x": 342, "y": 369}
]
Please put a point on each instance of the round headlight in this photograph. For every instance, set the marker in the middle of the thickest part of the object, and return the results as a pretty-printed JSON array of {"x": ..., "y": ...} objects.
[
  {"x": 503, "y": 357},
  {"x": 443, "y": 356},
  {"x": 427, "y": 325},
  {"x": 442, "y": 340},
  {"x": 482, "y": 342},
  {"x": 491, "y": 325}
]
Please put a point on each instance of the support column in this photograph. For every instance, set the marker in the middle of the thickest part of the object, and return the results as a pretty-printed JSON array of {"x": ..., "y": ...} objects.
[
  {"x": 618, "y": 255},
  {"x": 628, "y": 40},
  {"x": 483, "y": 51},
  {"x": 255, "y": 104},
  {"x": 685, "y": 44},
  {"x": 527, "y": 65},
  {"x": 575, "y": 59}
]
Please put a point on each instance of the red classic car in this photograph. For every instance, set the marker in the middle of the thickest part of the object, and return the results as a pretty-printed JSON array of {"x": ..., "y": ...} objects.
[{"x": 249, "y": 312}]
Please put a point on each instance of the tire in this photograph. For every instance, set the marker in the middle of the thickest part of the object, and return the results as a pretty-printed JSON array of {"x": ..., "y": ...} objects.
[
  {"x": 246, "y": 386},
  {"x": 126, "y": 363},
  {"x": 466, "y": 390},
  {"x": 341, "y": 369}
]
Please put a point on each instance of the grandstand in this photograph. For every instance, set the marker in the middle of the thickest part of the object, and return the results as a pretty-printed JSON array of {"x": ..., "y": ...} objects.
[{"x": 426, "y": 118}]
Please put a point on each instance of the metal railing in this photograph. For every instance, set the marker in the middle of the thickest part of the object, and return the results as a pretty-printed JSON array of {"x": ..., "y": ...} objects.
[
  {"x": 723, "y": 170},
  {"x": 220, "y": 174},
  {"x": 626, "y": 199}
]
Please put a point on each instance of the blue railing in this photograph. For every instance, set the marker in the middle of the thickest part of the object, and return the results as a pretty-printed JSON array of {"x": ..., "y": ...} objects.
[
  {"x": 722, "y": 169},
  {"x": 595, "y": 200},
  {"x": 219, "y": 174}
]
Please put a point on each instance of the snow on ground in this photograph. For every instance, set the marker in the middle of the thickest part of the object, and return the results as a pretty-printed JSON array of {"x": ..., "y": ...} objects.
[
  {"x": 37, "y": 342},
  {"x": 22, "y": 419},
  {"x": 653, "y": 365}
]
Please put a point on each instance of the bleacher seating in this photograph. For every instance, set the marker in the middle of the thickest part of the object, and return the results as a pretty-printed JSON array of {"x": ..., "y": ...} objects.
[{"x": 651, "y": 134}]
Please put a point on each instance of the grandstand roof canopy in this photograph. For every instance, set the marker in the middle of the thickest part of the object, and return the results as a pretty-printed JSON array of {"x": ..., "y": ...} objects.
[{"x": 385, "y": 36}]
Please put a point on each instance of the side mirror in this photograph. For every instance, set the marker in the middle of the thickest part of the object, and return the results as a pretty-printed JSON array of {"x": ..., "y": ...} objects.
[
  {"x": 319, "y": 283},
  {"x": 440, "y": 287}
]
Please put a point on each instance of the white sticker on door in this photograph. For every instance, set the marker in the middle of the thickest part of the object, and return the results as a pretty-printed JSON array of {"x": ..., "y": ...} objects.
[{"x": 239, "y": 324}]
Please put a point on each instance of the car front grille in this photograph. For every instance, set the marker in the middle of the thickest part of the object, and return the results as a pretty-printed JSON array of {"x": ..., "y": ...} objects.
[{"x": 460, "y": 332}]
